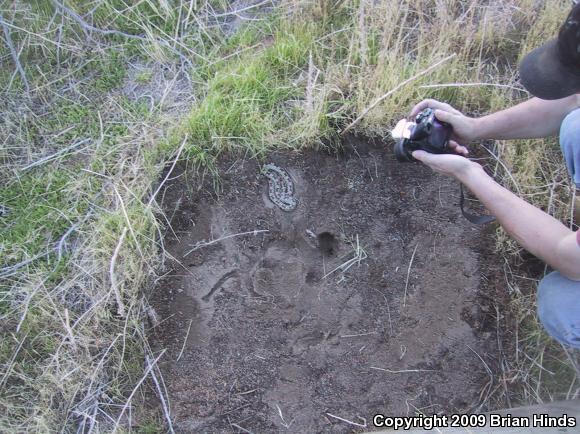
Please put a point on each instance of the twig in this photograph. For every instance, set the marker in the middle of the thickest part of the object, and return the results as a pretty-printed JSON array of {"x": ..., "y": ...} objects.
[
  {"x": 186, "y": 20},
  {"x": 86, "y": 27},
  {"x": 506, "y": 170},
  {"x": 68, "y": 328},
  {"x": 363, "y": 42},
  {"x": 114, "y": 287},
  {"x": 61, "y": 243},
  {"x": 491, "y": 379},
  {"x": 27, "y": 304},
  {"x": 8, "y": 366},
  {"x": 96, "y": 369},
  {"x": 55, "y": 155},
  {"x": 239, "y": 427},
  {"x": 184, "y": 341},
  {"x": 575, "y": 364},
  {"x": 209, "y": 243},
  {"x": 62, "y": 240},
  {"x": 312, "y": 78},
  {"x": 9, "y": 271},
  {"x": 408, "y": 274},
  {"x": 236, "y": 53},
  {"x": 128, "y": 220},
  {"x": 388, "y": 310},
  {"x": 246, "y": 392},
  {"x": 237, "y": 11},
  {"x": 128, "y": 402},
  {"x": 13, "y": 53},
  {"x": 392, "y": 91},
  {"x": 538, "y": 364},
  {"x": 161, "y": 398},
  {"x": 359, "y": 255},
  {"x": 38, "y": 35},
  {"x": 169, "y": 172},
  {"x": 358, "y": 335},
  {"x": 284, "y": 423},
  {"x": 350, "y": 422},
  {"x": 436, "y": 86},
  {"x": 92, "y": 417},
  {"x": 402, "y": 371}
]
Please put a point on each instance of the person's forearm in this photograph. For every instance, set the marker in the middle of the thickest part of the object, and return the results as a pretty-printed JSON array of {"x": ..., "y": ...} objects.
[
  {"x": 533, "y": 118},
  {"x": 538, "y": 232}
]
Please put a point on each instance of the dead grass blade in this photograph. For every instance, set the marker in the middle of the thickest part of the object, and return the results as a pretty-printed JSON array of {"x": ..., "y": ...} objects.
[{"x": 392, "y": 91}]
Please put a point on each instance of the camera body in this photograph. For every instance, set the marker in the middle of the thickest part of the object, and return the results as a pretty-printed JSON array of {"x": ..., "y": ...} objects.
[{"x": 426, "y": 133}]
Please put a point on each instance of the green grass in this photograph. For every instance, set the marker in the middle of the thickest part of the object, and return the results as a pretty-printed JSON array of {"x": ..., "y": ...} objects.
[
  {"x": 42, "y": 207},
  {"x": 144, "y": 77},
  {"x": 109, "y": 73},
  {"x": 290, "y": 80},
  {"x": 243, "y": 106}
]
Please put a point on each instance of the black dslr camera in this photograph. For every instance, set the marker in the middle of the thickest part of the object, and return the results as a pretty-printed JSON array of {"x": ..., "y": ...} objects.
[{"x": 427, "y": 134}]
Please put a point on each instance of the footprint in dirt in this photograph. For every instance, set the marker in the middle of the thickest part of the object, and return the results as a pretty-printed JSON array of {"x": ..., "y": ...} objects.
[
  {"x": 313, "y": 339},
  {"x": 278, "y": 281}
]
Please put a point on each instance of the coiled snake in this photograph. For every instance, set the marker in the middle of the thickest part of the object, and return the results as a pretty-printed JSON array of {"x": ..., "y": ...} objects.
[{"x": 280, "y": 187}]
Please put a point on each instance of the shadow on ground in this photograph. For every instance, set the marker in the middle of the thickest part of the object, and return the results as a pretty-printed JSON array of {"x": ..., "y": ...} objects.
[{"x": 262, "y": 334}]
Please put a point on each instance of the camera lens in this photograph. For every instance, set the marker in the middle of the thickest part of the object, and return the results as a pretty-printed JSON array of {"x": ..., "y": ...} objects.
[{"x": 402, "y": 151}]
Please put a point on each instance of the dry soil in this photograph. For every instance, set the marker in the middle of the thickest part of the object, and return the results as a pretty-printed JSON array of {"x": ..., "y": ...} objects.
[{"x": 266, "y": 332}]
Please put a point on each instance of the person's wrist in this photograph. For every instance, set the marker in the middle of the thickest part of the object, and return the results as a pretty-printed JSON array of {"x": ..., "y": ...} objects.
[
  {"x": 475, "y": 128},
  {"x": 469, "y": 171}
]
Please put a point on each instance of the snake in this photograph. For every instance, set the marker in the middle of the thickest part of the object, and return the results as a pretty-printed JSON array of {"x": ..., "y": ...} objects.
[{"x": 280, "y": 187}]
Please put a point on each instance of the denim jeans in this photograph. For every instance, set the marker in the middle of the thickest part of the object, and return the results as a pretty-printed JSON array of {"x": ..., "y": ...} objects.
[
  {"x": 570, "y": 144},
  {"x": 559, "y": 297},
  {"x": 559, "y": 308}
]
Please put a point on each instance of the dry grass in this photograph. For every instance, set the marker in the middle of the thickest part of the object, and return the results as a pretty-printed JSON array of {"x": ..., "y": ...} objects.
[{"x": 99, "y": 96}]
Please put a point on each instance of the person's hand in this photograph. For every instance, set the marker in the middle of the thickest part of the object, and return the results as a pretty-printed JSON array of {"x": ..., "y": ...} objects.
[
  {"x": 464, "y": 128},
  {"x": 447, "y": 164}
]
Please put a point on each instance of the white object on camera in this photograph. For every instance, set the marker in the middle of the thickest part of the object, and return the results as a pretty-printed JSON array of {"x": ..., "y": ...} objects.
[{"x": 403, "y": 129}]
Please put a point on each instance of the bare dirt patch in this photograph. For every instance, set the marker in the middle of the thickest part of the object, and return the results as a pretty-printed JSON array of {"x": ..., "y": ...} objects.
[
  {"x": 165, "y": 87},
  {"x": 262, "y": 334}
]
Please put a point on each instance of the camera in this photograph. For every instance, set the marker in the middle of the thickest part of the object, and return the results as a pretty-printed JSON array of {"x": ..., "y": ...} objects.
[{"x": 426, "y": 133}]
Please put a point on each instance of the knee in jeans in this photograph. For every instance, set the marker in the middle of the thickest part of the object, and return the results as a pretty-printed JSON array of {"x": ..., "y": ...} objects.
[
  {"x": 548, "y": 300},
  {"x": 558, "y": 309},
  {"x": 570, "y": 144},
  {"x": 570, "y": 123}
]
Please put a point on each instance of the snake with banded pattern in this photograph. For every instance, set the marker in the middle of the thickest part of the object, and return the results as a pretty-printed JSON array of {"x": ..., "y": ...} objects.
[{"x": 280, "y": 187}]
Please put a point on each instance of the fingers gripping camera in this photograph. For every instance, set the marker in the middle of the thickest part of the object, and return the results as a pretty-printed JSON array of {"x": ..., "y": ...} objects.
[{"x": 426, "y": 133}]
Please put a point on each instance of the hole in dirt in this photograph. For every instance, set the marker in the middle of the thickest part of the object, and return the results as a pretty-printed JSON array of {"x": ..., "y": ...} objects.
[
  {"x": 327, "y": 243},
  {"x": 263, "y": 331}
]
